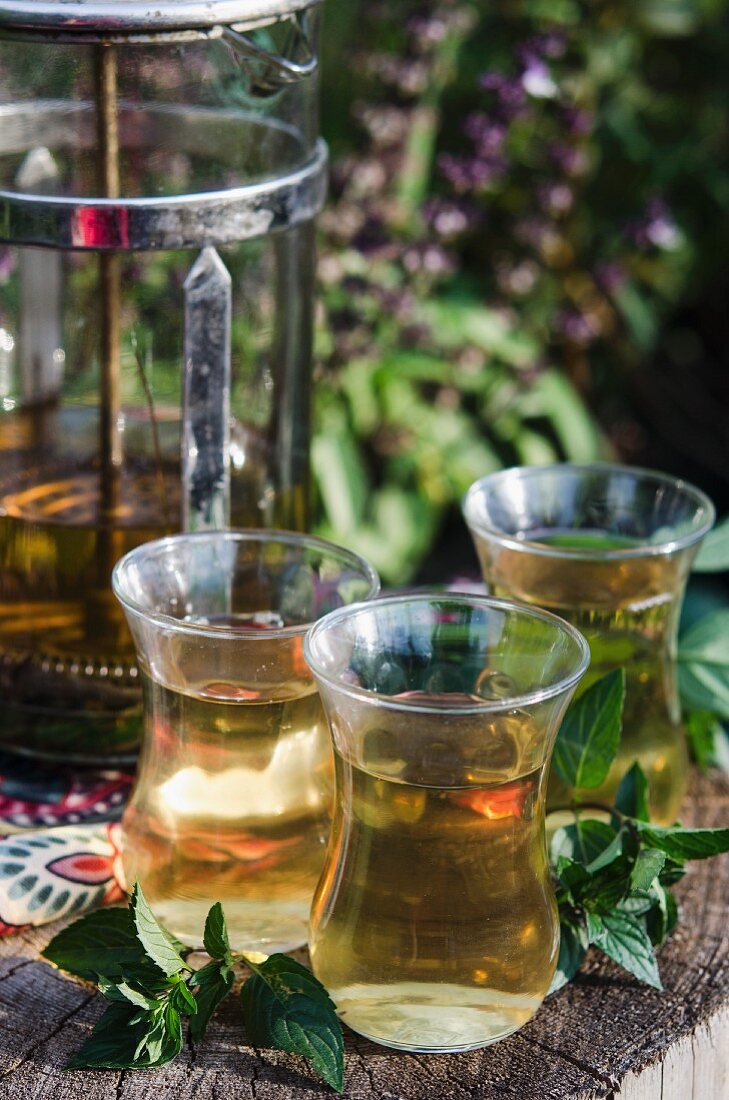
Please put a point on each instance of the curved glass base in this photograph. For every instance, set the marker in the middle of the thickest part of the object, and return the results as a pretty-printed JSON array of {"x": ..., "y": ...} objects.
[{"x": 432, "y": 1018}]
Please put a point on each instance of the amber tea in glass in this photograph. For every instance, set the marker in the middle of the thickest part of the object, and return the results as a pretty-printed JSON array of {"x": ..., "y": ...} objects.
[
  {"x": 609, "y": 548},
  {"x": 434, "y": 925},
  {"x": 233, "y": 796}
]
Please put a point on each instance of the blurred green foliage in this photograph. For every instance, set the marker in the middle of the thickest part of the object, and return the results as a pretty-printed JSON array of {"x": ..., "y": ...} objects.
[{"x": 523, "y": 193}]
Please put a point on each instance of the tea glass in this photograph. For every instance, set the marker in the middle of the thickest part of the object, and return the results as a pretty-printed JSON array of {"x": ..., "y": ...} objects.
[
  {"x": 610, "y": 548},
  {"x": 434, "y": 925},
  {"x": 233, "y": 795}
]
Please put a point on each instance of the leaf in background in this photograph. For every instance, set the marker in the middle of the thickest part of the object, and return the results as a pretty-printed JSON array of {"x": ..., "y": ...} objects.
[
  {"x": 572, "y": 950},
  {"x": 680, "y": 843},
  {"x": 706, "y": 735},
  {"x": 160, "y": 947},
  {"x": 287, "y": 1008},
  {"x": 713, "y": 557},
  {"x": 632, "y": 794},
  {"x": 625, "y": 940},
  {"x": 215, "y": 938},
  {"x": 213, "y": 984},
  {"x": 588, "y": 739},
  {"x": 552, "y": 396},
  {"x": 704, "y": 687},
  {"x": 102, "y": 943},
  {"x": 703, "y": 664}
]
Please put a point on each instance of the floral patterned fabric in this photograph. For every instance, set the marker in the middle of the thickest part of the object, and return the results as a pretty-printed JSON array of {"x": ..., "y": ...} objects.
[{"x": 59, "y": 841}]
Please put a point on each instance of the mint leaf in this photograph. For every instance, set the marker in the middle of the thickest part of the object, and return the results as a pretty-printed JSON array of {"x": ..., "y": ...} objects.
[
  {"x": 572, "y": 950},
  {"x": 101, "y": 943},
  {"x": 121, "y": 991},
  {"x": 160, "y": 947},
  {"x": 646, "y": 869},
  {"x": 588, "y": 740},
  {"x": 212, "y": 983},
  {"x": 663, "y": 916},
  {"x": 215, "y": 938},
  {"x": 127, "y": 1038},
  {"x": 287, "y": 1008},
  {"x": 631, "y": 798},
  {"x": 625, "y": 940},
  {"x": 114, "y": 1042},
  {"x": 713, "y": 556},
  {"x": 680, "y": 843},
  {"x": 183, "y": 1000},
  {"x": 586, "y": 841}
]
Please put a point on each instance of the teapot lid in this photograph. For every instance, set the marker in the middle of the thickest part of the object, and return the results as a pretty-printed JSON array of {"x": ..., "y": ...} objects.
[{"x": 121, "y": 17}]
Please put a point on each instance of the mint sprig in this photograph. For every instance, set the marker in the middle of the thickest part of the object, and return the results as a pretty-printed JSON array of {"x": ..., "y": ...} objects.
[
  {"x": 142, "y": 971},
  {"x": 612, "y": 867}
]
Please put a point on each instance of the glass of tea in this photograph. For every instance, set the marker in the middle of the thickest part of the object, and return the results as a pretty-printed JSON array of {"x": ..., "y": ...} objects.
[
  {"x": 609, "y": 548},
  {"x": 233, "y": 796},
  {"x": 434, "y": 925}
]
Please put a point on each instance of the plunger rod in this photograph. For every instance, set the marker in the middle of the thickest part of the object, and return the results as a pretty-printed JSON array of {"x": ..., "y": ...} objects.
[
  {"x": 104, "y": 619},
  {"x": 110, "y": 279}
]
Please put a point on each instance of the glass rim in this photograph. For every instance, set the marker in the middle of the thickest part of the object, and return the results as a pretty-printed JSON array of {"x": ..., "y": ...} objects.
[
  {"x": 245, "y": 535},
  {"x": 478, "y": 524},
  {"x": 410, "y": 706}
]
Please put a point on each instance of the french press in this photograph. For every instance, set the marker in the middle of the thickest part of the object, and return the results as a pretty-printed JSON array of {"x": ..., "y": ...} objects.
[{"x": 160, "y": 172}]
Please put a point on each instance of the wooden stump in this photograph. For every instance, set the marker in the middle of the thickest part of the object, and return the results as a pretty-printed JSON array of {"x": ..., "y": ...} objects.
[{"x": 604, "y": 1035}]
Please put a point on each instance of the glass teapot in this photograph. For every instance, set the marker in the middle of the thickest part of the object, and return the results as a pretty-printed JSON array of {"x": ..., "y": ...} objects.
[{"x": 160, "y": 170}]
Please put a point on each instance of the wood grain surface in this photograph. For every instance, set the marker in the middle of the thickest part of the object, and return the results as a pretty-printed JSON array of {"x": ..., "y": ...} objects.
[{"x": 604, "y": 1035}]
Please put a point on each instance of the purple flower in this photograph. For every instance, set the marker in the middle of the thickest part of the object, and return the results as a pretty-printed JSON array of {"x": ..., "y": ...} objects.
[
  {"x": 579, "y": 328},
  {"x": 571, "y": 161},
  {"x": 656, "y": 227},
  {"x": 8, "y": 262},
  {"x": 449, "y": 219},
  {"x": 555, "y": 197},
  {"x": 610, "y": 275},
  {"x": 578, "y": 121},
  {"x": 488, "y": 136}
]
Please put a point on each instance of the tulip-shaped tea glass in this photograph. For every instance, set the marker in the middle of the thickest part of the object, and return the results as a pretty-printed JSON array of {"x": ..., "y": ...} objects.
[
  {"x": 609, "y": 548},
  {"x": 233, "y": 796},
  {"x": 434, "y": 925}
]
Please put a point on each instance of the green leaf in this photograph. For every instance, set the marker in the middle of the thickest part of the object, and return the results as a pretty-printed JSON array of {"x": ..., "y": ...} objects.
[
  {"x": 287, "y": 1008},
  {"x": 586, "y": 841},
  {"x": 102, "y": 943},
  {"x": 114, "y": 1042},
  {"x": 631, "y": 798},
  {"x": 121, "y": 991},
  {"x": 680, "y": 843},
  {"x": 663, "y": 914},
  {"x": 704, "y": 687},
  {"x": 626, "y": 941},
  {"x": 588, "y": 739},
  {"x": 713, "y": 557},
  {"x": 707, "y": 640},
  {"x": 183, "y": 1000},
  {"x": 703, "y": 664},
  {"x": 705, "y": 734},
  {"x": 572, "y": 950},
  {"x": 159, "y": 945},
  {"x": 215, "y": 937},
  {"x": 646, "y": 869},
  {"x": 213, "y": 983}
]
